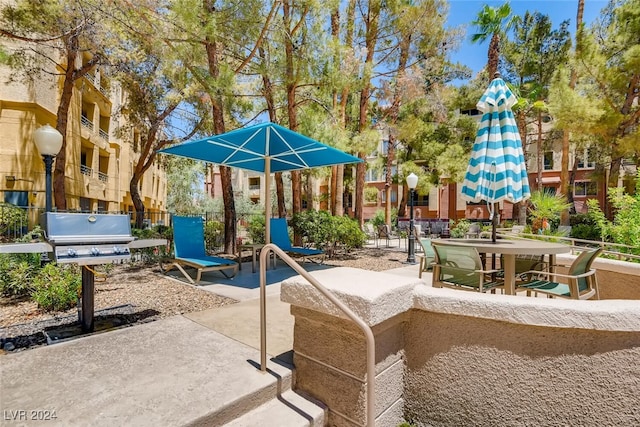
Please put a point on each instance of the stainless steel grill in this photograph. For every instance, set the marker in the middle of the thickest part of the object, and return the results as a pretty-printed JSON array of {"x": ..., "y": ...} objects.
[
  {"x": 85, "y": 239},
  {"x": 88, "y": 239}
]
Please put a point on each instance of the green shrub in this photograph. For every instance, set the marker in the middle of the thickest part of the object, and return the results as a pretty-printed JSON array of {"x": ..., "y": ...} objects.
[
  {"x": 378, "y": 217},
  {"x": 213, "y": 234},
  {"x": 322, "y": 230},
  {"x": 315, "y": 227},
  {"x": 584, "y": 227},
  {"x": 12, "y": 218},
  {"x": 57, "y": 287},
  {"x": 347, "y": 232},
  {"x": 17, "y": 272},
  {"x": 153, "y": 254},
  {"x": 460, "y": 229},
  {"x": 256, "y": 229}
]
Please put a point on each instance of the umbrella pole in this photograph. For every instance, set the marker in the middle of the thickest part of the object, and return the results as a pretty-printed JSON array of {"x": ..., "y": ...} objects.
[
  {"x": 267, "y": 200},
  {"x": 494, "y": 221}
]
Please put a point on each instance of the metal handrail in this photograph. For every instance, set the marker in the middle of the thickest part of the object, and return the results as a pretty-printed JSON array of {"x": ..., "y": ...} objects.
[
  {"x": 573, "y": 242},
  {"x": 368, "y": 333}
]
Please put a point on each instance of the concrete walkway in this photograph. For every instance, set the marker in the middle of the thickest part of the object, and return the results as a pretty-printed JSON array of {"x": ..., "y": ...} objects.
[{"x": 196, "y": 369}]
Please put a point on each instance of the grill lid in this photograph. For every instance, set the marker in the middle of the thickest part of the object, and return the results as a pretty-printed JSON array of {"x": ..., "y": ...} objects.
[
  {"x": 88, "y": 239},
  {"x": 80, "y": 228}
]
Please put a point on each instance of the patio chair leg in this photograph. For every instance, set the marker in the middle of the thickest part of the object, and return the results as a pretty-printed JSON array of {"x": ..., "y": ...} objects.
[{"x": 184, "y": 273}]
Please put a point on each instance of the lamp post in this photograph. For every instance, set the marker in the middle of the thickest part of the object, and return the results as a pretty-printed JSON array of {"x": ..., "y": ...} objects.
[
  {"x": 412, "y": 182},
  {"x": 49, "y": 142}
]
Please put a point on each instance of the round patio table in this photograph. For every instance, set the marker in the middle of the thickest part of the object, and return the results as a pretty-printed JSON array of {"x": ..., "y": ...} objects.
[{"x": 509, "y": 249}]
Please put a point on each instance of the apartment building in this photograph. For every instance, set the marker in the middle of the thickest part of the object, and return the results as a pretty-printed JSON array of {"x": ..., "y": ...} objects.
[
  {"x": 445, "y": 202},
  {"x": 99, "y": 164}
]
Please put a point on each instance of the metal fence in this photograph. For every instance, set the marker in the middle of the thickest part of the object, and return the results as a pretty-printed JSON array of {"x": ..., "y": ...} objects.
[{"x": 16, "y": 222}]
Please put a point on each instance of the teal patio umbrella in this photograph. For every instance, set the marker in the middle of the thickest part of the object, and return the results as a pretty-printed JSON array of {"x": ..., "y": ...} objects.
[
  {"x": 497, "y": 170},
  {"x": 265, "y": 148}
]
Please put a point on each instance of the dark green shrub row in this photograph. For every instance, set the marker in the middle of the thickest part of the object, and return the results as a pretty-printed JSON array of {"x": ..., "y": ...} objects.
[
  {"x": 53, "y": 287},
  {"x": 322, "y": 230}
]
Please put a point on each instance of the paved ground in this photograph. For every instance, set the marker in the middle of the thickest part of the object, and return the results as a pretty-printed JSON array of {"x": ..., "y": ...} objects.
[{"x": 176, "y": 371}]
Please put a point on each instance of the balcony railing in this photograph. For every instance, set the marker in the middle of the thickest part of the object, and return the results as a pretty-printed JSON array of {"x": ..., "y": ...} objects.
[
  {"x": 91, "y": 76},
  {"x": 104, "y": 135},
  {"x": 84, "y": 120},
  {"x": 103, "y": 177},
  {"x": 86, "y": 170}
]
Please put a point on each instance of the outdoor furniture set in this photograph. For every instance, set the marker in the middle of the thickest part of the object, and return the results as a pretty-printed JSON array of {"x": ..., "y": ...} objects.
[
  {"x": 189, "y": 249},
  {"x": 458, "y": 264}
]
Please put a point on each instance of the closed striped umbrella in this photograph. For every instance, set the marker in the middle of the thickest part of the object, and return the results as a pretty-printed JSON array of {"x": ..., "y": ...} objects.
[{"x": 497, "y": 170}]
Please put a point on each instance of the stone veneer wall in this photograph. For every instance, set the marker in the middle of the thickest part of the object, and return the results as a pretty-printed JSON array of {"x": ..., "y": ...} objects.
[{"x": 447, "y": 357}]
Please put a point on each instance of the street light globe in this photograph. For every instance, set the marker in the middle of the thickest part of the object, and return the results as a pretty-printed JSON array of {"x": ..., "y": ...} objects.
[
  {"x": 48, "y": 140},
  {"x": 412, "y": 181}
]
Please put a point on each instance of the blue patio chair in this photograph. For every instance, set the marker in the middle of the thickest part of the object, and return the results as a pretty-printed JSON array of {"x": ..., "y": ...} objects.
[
  {"x": 189, "y": 250},
  {"x": 581, "y": 280},
  {"x": 280, "y": 237}
]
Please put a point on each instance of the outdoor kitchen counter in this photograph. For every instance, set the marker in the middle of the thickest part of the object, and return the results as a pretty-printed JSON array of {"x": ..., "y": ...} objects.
[{"x": 25, "y": 248}]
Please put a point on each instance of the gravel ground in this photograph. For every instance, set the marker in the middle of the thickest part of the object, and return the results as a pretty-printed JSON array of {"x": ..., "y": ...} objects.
[{"x": 139, "y": 294}]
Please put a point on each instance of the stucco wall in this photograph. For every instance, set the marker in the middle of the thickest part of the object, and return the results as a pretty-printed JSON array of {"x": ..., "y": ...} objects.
[
  {"x": 321, "y": 340},
  {"x": 446, "y": 357},
  {"x": 469, "y": 371}
]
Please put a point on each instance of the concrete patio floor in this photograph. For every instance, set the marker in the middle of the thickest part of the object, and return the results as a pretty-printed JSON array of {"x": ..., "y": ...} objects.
[{"x": 197, "y": 369}]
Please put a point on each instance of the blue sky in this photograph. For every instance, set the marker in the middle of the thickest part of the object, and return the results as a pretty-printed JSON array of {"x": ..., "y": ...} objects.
[{"x": 462, "y": 12}]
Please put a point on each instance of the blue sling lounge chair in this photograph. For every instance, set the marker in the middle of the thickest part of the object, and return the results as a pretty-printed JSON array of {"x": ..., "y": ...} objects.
[
  {"x": 188, "y": 240},
  {"x": 280, "y": 237}
]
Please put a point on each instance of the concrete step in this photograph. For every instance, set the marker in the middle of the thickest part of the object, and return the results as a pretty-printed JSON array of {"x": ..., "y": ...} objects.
[
  {"x": 290, "y": 409},
  {"x": 172, "y": 372}
]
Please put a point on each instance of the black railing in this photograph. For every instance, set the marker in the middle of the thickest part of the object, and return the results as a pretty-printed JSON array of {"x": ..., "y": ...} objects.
[{"x": 16, "y": 222}]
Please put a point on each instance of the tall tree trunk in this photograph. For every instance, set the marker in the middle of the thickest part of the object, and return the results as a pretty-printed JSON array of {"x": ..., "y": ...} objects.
[
  {"x": 539, "y": 153},
  {"x": 612, "y": 182},
  {"x": 291, "y": 79},
  {"x": 405, "y": 44},
  {"x": 371, "y": 37},
  {"x": 134, "y": 190},
  {"x": 519, "y": 213},
  {"x": 217, "y": 111},
  {"x": 271, "y": 109},
  {"x": 62, "y": 119},
  {"x": 344, "y": 100},
  {"x": 566, "y": 180},
  {"x": 493, "y": 56}
]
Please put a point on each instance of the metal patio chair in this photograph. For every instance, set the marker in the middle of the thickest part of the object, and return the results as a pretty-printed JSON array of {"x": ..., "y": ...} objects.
[{"x": 581, "y": 280}]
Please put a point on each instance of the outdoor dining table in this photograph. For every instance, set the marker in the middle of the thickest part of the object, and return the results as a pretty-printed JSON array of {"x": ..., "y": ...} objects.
[{"x": 509, "y": 249}]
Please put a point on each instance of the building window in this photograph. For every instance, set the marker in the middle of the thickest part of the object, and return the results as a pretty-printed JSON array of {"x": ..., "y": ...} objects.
[
  {"x": 394, "y": 196},
  {"x": 585, "y": 188},
  {"x": 85, "y": 204},
  {"x": 17, "y": 198},
  {"x": 371, "y": 175},
  {"x": 254, "y": 183},
  {"x": 102, "y": 206},
  {"x": 583, "y": 160},
  {"x": 548, "y": 160},
  {"x": 385, "y": 147},
  {"x": 421, "y": 200}
]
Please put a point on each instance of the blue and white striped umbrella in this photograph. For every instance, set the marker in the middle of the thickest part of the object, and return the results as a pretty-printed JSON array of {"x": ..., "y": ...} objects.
[{"x": 497, "y": 170}]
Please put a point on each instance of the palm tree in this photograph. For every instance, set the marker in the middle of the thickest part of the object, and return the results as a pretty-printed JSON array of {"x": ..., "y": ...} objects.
[{"x": 493, "y": 22}]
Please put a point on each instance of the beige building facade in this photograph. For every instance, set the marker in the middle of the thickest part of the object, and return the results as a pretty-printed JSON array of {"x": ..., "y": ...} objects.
[{"x": 99, "y": 163}]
